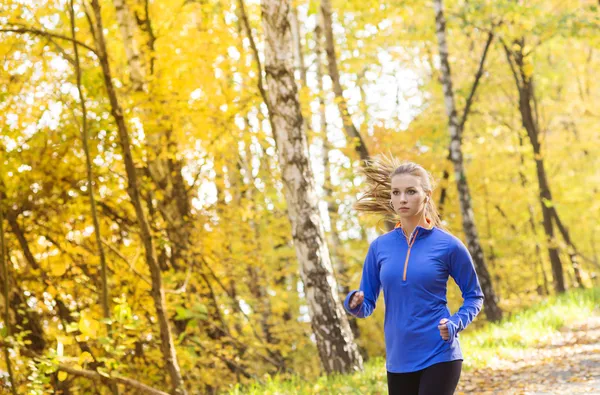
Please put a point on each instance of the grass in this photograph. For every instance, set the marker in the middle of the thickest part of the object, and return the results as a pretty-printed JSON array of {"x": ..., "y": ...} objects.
[{"x": 528, "y": 328}]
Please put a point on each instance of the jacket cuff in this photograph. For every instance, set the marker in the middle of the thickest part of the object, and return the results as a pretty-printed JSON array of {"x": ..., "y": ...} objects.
[
  {"x": 354, "y": 311},
  {"x": 452, "y": 330}
]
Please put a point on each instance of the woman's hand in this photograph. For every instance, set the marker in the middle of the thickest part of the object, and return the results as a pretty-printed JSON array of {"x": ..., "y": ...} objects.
[
  {"x": 443, "y": 327},
  {"x": 357, "y": 299}
]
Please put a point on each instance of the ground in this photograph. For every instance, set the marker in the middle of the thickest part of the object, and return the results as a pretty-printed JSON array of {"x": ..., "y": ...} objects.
[{"x": 569, "y": 365}]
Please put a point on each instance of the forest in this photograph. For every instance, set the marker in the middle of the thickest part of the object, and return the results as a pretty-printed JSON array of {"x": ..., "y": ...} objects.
[{"x": 178, "y": 177}]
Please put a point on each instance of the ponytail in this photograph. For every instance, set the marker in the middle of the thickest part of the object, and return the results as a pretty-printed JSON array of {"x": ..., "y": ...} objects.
[{"x": 378, "y": 173}]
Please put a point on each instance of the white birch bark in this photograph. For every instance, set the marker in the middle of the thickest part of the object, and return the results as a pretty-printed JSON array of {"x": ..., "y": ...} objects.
[
  {"x": 132, "y": 53},
  {"x": 492, "y": 311},
  {"x": 330, "y": 326}
]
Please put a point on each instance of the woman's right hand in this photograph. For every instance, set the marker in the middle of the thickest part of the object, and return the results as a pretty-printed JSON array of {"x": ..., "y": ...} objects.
[{"x": 357, "y": 299}]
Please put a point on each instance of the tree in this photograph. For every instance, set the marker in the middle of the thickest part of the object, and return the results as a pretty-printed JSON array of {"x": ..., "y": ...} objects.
[
  {"x": 6, "y": 292},
  {"x": 339, "y": 265},
  {"x": 518, "y": 63},
  {"x": 351, "y": 131},
  {"x": 337, "y": 351},
  {"x": 455, "y": 127},
  {"x": 167, "y": 344}
]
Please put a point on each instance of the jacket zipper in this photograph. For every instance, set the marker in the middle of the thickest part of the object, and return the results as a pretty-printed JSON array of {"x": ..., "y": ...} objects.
[{"x": 410, "y": 243}]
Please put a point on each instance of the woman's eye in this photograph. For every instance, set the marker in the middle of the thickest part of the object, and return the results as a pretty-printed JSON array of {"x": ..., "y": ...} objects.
[
  {"x": 395, "y": 193},
  {"x": 412, "y": 192}
]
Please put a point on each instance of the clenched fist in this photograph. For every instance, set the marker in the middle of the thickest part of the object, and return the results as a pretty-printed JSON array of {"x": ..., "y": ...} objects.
[
  {"x": 357, "y": 299},
  {"x": 443, "y": 327}
]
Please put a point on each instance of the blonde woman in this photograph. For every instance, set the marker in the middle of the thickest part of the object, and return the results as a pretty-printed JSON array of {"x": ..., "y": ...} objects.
[{"x": 412, "y": 264}]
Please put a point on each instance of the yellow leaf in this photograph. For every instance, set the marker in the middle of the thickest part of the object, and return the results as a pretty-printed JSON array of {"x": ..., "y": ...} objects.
[
  {"x": 58, "y": 268},
  {"x": 528, "y": 69},
  {"x": 66, "y": 340},
  {"x": 88, "y": 326},
  {"x": 85, "y": 357},
  {"x": 62, "y": 376}
]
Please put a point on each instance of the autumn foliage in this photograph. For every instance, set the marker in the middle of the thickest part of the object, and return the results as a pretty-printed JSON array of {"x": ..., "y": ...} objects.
[{"x": 204, "y": 259}]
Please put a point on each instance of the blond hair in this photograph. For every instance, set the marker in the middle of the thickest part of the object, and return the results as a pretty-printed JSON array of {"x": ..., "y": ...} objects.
[{"x": 378, "y": 173}]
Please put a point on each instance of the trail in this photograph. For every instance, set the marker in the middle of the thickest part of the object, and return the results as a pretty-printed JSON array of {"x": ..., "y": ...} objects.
[{"x": 570, "y": 364}]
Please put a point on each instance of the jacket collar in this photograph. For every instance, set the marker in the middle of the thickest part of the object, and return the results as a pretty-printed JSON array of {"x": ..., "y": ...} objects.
[{"x": 422, "y": 230}]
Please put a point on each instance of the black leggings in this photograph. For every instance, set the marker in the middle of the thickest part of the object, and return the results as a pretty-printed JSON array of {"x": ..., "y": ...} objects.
[{"x": 438, "y": 379}]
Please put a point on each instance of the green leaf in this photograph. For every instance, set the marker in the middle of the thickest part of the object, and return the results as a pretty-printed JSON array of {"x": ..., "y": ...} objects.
[{"x": 183, "y": 314}]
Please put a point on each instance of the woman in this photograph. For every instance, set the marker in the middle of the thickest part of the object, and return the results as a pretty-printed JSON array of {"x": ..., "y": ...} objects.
[{"x": 412, "y": 264}]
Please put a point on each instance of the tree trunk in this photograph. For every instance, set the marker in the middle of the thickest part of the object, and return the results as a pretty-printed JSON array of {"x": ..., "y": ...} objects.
[
  {"x": 132, "y": 53},
  {"x": 157, "y": 292},
  {"x": 351, "y": 131},
  {"x": 444, "y": 186},
  {"x": 538, "y": 249},
  {"x": 90, "y": 175},
  {"x": 488, "y": 222},
  {"x": 90, "y": 184},
  {"x": 18, "y": 232},
  {"x": 5, "y": 293},
  {"x": 259, "y": 280},
  {"x": 257, "y": 287},
  {"x": 163, "y": 168},
  {"x": 463, "y": 119},
  {"x": 30, "y": 321},
  {"x": 572, "y": 251},
  {"x": 492, "y": 310},
  {"x": 164, "y": 171},
  {"x": 339, "y": 265},
  {"x": 525, "y": 88},
  {"x": 297, "y": 41},
  {"x": 334, "y": 338}
]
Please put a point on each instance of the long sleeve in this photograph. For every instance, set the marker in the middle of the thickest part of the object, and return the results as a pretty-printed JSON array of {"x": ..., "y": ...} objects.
[
  {"x": 463, "y": 272},
  {"x": 370, "y": 285}
]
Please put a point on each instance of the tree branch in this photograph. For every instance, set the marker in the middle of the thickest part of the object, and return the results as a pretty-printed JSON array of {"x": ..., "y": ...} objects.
[
  {"x": 509, "y": 56},
  {"x": 43, "y": 33},
  {"x": 478, "y": 75},
  {"x": 230, "y": 363},
  {"x": 248, "y": 29},
  {"x": 95, "y": 376},
  {"x": 465, "y": 115},
  {"x": 124, "y": 259}
]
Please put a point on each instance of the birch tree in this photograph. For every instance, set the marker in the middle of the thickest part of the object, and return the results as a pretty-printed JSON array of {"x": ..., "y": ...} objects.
[
  {"x": 492, "y": 311},
  {"x": 334, "y": 339}
]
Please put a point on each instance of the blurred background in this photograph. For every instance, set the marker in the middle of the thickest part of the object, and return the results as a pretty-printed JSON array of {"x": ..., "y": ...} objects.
[{"x": 151, "y": 232}]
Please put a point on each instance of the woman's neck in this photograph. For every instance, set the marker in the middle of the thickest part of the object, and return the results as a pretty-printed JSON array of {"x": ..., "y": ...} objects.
[{"x": 409, "y": 224}]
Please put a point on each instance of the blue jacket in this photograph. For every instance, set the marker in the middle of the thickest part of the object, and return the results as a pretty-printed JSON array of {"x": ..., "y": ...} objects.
[{"x": 414, "y": 281}]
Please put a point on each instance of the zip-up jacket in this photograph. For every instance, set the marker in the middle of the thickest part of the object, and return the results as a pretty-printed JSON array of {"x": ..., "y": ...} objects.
[{"x": 413, "y": 274}]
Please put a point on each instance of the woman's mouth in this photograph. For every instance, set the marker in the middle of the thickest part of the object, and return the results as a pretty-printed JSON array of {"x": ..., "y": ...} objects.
[{"x": 403, "y": 208}]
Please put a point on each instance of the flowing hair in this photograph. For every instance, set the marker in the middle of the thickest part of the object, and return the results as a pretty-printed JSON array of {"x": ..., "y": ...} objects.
[{"x": 378, "y": 173}]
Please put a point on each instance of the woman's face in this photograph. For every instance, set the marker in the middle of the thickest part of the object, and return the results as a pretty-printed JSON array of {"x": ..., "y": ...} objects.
[{"x": 408, "y": 196}]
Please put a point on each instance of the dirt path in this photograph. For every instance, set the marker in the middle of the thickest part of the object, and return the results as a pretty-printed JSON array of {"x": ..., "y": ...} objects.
[{"x": 569, "y": 365}]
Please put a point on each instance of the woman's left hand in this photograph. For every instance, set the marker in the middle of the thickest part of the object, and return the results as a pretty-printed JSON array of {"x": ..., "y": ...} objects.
[{"x": 443, "y": 327}]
